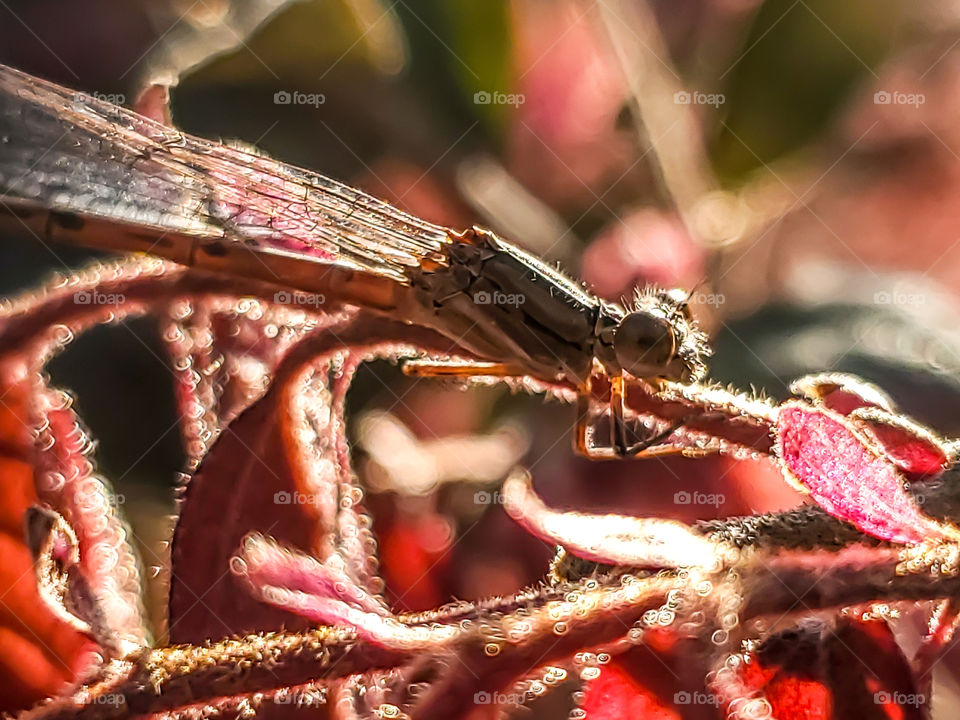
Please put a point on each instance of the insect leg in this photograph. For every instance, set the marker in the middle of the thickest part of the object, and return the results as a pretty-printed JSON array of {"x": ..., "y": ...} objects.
[
  {"x": 618, "y": 428},
  {"x": 459, "y": 369},
  {"x": 580, "y": 444}
]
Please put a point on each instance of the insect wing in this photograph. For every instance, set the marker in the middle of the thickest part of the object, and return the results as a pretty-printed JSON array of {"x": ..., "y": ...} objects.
[{"x": 77, "y": 155}]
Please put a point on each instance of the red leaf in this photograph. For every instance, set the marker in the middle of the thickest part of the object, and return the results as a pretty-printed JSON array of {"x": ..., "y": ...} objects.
[
  {"x": 67, "y": 482},
  {"x": 819, "y": 672},
  {"x": 615, "y": 695},
  {"x": 416, "y": 555},
  {"x": 236, "y": 491},
  {"x": 841, "y": 392},
  {"x": 914, "y": 449},
  {"x": 281, "y": 469},
  {"x": 849, "y": 476},
  {"x": 39, "y": 653},
  {"x": 662, "y": 679}
]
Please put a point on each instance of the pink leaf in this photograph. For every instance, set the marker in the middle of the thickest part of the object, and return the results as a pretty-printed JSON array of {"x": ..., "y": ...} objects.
[
  {"x": 281, "y": 469},
  {"x": 67, "y": 482},
  {"x": 847, "y": 474}
]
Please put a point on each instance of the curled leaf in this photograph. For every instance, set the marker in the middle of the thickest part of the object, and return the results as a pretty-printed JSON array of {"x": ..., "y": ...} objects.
[
  {"x": 609, "y": 539},
  {"x": 841, "y": 392},
  {"x": 89, "y": 583},
  {"x": 912, "y": 447},
  {"x": 263, "y": 562},
  {"x": 849, "y": 475},
  {"x": 56, "y": 559}
]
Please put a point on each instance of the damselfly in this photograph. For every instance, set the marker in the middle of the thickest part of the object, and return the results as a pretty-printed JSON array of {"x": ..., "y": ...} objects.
[{"x": 77, "y": 169}]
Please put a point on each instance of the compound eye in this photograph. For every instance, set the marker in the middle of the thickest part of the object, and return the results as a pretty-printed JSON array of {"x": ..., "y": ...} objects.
[{"x": 645, "y": 344}]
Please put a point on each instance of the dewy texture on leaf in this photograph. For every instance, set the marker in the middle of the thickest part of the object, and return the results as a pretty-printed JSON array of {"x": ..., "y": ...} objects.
[
  {"x": 264, "y": 564},
  {"x": 282, "y": 469},
  {"x": 848, "y": 475},
  {"x": 640, "y": 639},
  {"x": 223, "y": 351},
  {"x": 43, "y": 459},
  {"x": 68, "y": 483}
]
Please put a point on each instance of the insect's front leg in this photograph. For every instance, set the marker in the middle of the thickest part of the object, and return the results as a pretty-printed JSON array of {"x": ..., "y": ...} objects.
[
  {"x": 582, "y": 436},
  {"x": 621, "y": 447},
  {"x": 618, "y": 445}
]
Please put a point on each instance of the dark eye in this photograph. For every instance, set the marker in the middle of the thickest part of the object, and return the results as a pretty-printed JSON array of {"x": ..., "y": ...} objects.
[{"x": 644, "y": 344}]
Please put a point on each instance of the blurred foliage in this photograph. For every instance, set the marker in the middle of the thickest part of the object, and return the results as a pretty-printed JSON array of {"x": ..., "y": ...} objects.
[{"x": 796, "y": 69}]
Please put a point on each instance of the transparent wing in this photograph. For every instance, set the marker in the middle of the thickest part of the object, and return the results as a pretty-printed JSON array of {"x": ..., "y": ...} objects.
[{"x": 68, "y": 152}]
